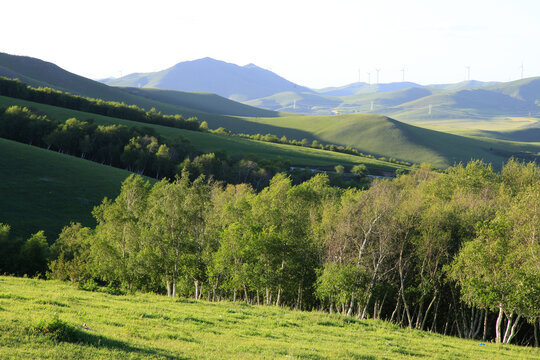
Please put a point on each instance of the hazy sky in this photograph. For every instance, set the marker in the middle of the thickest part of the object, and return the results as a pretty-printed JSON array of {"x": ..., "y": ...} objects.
[{"x": 313, "y": 43}]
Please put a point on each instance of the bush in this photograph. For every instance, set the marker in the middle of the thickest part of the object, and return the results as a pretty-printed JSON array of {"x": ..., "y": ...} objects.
[{"x": 57, "y": 330}]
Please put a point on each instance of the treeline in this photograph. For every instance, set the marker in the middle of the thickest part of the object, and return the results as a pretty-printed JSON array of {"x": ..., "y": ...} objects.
[
  {"x": 17, "y": 89},
  {"x": 455, "y": 252},
  {"x": 315, "y": 144},
  {"x": 143, "y": 151}
]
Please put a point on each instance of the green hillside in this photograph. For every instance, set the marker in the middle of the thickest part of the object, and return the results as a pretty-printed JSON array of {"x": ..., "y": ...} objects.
[
  {"x": 144, "y": 326},
  {"x": 210, "y": 103},
  {"x": 45, "y": 190},
  {"x": 298, "y": 102},
  {"x": 206, "y": 142},
  {"x": 35, "y": 72},
  {"x": 384, "y": 136}
]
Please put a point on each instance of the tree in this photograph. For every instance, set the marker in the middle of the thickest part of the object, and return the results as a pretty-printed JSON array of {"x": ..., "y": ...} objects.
[
  {"x": 495, "y": 271},
  {"x": 34, "y": 255},
  {"x": 340, "y": 169},
  {"x": 118, "y": 235},
  {"x": 71, "y": 253},
  {"x": 359, "y": 170}
]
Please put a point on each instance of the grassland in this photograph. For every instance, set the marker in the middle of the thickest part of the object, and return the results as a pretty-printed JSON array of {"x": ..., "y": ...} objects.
[
  {"x": 45, "y": 190},
  {"x": 144, "y": 326},
  {"x": 205, "y": 142},
  {"x": 384, "y": 136}
]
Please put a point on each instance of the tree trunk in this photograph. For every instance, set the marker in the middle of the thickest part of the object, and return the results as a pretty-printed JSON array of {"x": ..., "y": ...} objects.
[
  {"x": 351, "y": 305},
  {"x": 174, "y": 287},
  {"x": 484, "y": 335},
  {"x": 427, "y": 312},
  {"x": 498, "y": 325},
  {"x": 510, "y": 329},
  {"x": 196, "y": 289},
  {"x": 536, "y": 321},
  {"x": 168, "y": 287}
]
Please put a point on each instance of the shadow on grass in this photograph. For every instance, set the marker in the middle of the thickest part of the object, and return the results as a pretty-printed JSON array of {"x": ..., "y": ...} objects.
[{"x": 61, "y": 331}]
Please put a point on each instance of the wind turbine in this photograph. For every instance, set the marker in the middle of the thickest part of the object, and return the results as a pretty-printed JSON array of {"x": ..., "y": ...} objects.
[
  {"x": 369, "y": 78},
  {"x": 377, "y": 70},
  {"x": 468, "y": 72},
  {"x": 359, "y": 75},
  {"x": 521, "y": 69}
]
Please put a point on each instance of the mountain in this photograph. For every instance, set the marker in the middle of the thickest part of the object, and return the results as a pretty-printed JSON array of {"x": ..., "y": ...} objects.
[
  {"x": 462, "y": 85},
  {"x": 363, "y": 88},
  {"x": 296, "y": 102},
  {"x": 240, "y": 83},
  {"x": 36, "y": 72}
]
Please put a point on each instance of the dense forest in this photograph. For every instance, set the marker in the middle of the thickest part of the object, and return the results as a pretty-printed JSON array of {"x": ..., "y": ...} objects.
[{"x": 454, "y": 252}]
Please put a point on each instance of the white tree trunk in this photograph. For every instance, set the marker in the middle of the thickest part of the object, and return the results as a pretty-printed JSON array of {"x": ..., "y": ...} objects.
[{"x": 498, "y": 325}]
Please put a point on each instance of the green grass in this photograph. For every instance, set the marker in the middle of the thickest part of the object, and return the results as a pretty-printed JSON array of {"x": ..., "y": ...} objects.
[
  {"x": 144, "y": 326},
  {"x": 387, "y": 137},
  {"x": 45, "y": 190},
  {"x": 206, "y": 142}
]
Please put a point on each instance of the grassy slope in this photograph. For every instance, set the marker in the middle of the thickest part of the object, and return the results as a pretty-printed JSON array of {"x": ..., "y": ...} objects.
[
  {"x": 45, "y": 190},
  {"x": 36, "y": 72},
  {"x": 388, "y": 137},
  {"x": 144, "y": 326},
  {"x": 211, "y": 142},
  {"x": 207, "y": 102}
]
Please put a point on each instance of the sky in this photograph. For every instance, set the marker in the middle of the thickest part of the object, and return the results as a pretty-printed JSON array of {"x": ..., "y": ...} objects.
[{"x": 312, "y": 43}]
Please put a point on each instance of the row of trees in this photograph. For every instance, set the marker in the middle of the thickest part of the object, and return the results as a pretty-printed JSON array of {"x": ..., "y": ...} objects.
[
  {"x": 456, "y": 253},
  {"x": 141, "y": 150},
  {"x": 45, "y": 95},
  {"x": 315, "y": 144}
]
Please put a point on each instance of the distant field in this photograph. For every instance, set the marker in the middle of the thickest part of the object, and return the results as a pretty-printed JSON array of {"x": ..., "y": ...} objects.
[
  {"x": 45, "y": 190},
  {"x": 384, "y": 136},
  {"x": 144, "y": 326},
  {"x": 210, "y": 142}
]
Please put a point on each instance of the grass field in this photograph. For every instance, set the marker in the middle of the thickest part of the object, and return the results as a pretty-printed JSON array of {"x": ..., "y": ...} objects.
[
  {"x": 45, "y": 190},
  {"x": 144, "y": 326},
  {"x": 387, "y": 137},
  {"x": 211, "y": 142}
]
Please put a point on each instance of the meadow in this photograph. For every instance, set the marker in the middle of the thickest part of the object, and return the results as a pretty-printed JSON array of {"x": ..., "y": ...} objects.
[
  {"x": 45, "y": 190},
  {"x": 145, "y": 326},
  {"x": 384, "y": 136},
  {"x": 206, "y": 142}
]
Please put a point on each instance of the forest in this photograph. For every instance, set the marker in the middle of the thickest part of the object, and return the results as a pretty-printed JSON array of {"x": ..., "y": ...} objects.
[{"x": 453, "y": 252}]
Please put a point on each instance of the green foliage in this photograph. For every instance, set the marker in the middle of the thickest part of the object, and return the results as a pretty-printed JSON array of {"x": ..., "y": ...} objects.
[
  {"x": 34, "y": 255},
  {"x": 56, "y": 330}
]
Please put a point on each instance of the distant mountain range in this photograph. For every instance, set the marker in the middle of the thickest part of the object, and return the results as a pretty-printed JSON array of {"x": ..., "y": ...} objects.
[
  {"x": 406, "y": 101},
  {"x": 36, "y": 72},
  {"x": 239, "y": 83}
]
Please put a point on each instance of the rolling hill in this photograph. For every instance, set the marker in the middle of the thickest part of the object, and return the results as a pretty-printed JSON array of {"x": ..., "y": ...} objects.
[
  {"x": 35, "y": 72},
  {"x": 46, "y": 190},
  {"x": 240, "y": 83},
  {"x": 148, "y": 326},
  {"x": 207, "y": 142},
  {"x": 385, "y": 136},
  {"x": 371, "y": 134}
]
